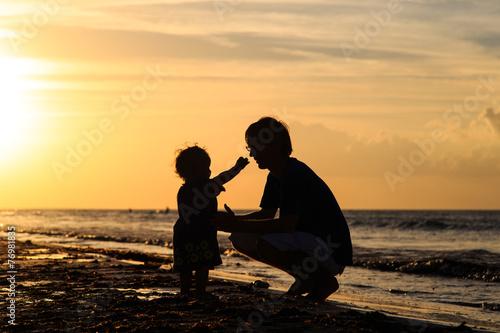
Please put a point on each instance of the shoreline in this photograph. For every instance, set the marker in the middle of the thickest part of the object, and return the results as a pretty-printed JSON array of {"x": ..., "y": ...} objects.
[
  {"x": 70, "y": 289},
  {"x": 478, "y": 265}
]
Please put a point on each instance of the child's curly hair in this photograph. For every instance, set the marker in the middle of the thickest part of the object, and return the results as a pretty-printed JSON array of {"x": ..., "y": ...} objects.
[{"x": 189, "y": 159}]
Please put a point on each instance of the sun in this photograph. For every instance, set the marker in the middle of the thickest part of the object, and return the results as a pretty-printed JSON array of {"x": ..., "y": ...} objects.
[{"x": 17, "y": 115}]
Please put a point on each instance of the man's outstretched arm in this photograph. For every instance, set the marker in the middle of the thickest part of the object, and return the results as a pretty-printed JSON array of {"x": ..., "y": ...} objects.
[
  {"x": 227, "y": 221},
  {"x": 263, "y": 214}
]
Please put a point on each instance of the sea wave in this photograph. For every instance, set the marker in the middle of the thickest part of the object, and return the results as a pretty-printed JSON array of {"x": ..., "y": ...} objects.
[
  {"x": 104, "y": 238},
  {"x": 425, "y": 220},
  {"x": 471, "y": 264},
  {"x": 475, "y": 264},
  {"x": 440, "y": 267}
]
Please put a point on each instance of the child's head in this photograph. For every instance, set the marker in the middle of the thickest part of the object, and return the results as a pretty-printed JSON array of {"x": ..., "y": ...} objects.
[{"x": 192, "y": 163}]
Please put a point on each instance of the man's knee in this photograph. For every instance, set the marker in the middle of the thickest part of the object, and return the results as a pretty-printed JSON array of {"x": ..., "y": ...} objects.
[
  {"x": 244, "y": 248},
  {"x": 265, "y": 249},
  {"x": 237, "y": 240},
  {"x": 237, "y": 247},
  {"x": 243, "y": 242}
]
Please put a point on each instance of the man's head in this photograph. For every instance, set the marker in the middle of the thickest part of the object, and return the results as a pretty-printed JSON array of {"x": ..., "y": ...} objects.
[{"x": 267, "y": 138}]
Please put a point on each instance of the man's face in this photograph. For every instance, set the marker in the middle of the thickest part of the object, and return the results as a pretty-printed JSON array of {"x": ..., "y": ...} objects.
[{"x": 262, "y": 154}]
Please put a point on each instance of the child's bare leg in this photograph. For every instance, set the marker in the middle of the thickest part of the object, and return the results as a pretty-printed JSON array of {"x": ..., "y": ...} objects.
[
  {"x": 201, "y": 280},
  {"x": 186, "y": 279}
]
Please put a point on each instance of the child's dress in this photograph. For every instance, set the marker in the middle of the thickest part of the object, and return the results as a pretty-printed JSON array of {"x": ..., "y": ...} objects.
[{"x": 195, "y": 240}]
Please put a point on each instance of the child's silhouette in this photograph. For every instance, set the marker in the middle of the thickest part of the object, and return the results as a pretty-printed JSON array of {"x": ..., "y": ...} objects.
[{"x": 195, "y": 240}]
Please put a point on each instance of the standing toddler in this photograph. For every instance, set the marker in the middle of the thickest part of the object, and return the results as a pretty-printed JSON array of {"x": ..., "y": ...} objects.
[{"x": 195, "y": 240}]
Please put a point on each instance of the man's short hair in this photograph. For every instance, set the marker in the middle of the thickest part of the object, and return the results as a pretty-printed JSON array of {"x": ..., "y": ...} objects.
[{"x": 269, "y": 131}]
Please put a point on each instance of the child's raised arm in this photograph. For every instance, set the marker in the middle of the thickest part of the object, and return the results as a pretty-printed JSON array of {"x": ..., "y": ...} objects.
[{"x": 226, "y": 176}]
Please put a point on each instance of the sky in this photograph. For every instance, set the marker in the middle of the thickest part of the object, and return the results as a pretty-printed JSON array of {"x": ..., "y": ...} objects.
[{"x": 394, "y": 104}]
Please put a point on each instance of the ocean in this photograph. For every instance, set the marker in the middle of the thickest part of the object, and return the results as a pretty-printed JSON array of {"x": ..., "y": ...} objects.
[{"x": 443, "y": 261}]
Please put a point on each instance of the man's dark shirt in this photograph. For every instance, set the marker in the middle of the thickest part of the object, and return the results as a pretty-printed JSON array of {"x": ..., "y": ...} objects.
[{"x": 301, "y": 191}]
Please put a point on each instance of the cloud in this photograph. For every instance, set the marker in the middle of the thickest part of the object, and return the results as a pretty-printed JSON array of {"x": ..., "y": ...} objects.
[
  {"x": 493, "y": 119},
  {"x": 119, "y": 44},
  {"x": 343, "y": 154},
  {"x": 479, "y": 161},
  {"x": 271, "y": 30},
  {"x": 489, "y": 40}
]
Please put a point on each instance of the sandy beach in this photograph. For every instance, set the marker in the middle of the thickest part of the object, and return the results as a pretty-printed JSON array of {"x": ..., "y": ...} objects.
[{"x": 61, "y": 289}]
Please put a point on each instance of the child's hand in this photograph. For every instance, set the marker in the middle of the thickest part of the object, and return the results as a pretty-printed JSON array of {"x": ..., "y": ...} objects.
[{"x": 242, "y": 162}]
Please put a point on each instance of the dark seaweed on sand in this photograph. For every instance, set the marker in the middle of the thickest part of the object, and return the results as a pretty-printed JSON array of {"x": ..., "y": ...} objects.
[{"x": 84, "y": 293}]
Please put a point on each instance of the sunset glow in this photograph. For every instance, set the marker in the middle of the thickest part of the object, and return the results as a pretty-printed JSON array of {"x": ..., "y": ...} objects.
[
  {"x": 17, "y": 114},
  {"x": 386, "y": 100}
]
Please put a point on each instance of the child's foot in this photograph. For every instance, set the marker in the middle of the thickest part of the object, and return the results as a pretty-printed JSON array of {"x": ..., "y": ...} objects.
[
  {"x": 205, "y": 296},
  {"x": 186, "y": 294}
]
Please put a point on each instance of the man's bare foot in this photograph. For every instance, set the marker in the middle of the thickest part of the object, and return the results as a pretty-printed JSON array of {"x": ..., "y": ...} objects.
[
  {"x": 323, "y": 288},
  {"x": 300, "y": 287}
]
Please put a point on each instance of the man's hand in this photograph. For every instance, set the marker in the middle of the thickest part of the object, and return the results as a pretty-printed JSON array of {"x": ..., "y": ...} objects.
[
  {"x": 223, "y": 220},
  {"x": 229, "y": 211}
]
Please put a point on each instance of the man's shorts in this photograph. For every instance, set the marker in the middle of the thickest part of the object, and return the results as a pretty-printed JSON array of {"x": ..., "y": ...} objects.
[{"x": 311, "y": 245}]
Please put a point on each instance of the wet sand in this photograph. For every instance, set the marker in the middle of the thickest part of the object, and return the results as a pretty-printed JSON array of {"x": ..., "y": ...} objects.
[{"x": 60, "y": 289}]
